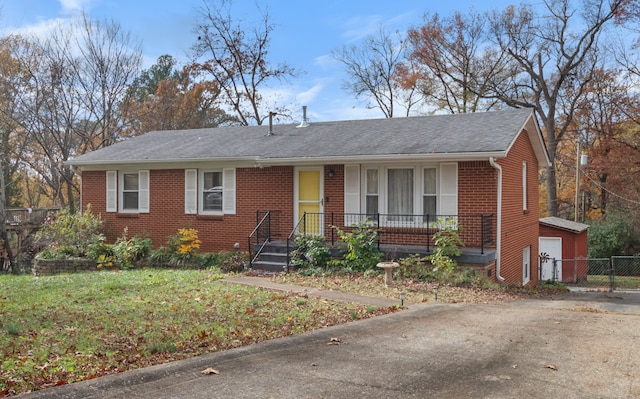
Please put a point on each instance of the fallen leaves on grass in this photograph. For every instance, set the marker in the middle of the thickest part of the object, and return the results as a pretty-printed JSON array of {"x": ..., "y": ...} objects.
[{"x": 108, "y": 323}]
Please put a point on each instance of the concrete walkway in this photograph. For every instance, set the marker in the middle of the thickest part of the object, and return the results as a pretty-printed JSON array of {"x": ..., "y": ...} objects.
[
  {"x": 567, "y": 347},
  {"x": 314, "y": 292}
]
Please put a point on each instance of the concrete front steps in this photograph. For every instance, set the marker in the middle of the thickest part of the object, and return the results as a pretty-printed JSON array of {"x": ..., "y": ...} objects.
[{"x": 273, "y": 257}]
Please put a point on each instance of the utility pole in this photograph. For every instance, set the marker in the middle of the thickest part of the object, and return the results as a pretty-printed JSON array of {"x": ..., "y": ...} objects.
[{"x": 577, "y": 206}]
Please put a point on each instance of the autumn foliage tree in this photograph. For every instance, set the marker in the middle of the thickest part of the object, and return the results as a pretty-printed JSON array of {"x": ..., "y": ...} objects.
[
  {"x": 164, "y": 98},
  {"x": 452, "y": 64}
]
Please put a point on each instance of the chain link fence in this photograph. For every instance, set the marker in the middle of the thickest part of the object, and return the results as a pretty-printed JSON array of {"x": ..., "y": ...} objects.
[{"x": 617, "y": 272}]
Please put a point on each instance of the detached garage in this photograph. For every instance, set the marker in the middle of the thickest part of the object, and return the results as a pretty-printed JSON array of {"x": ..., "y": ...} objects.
[{"x": 566, "y": 242}]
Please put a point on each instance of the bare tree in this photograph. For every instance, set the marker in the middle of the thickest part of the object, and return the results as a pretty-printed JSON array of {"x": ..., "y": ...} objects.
[
  {"x": 374, "y": 68},
  {"x": 109, "y": 60},
  {"x": 554, "y": 55},
  {"x": 238, "y": 60},
  {"x": 77, "y": 76}
]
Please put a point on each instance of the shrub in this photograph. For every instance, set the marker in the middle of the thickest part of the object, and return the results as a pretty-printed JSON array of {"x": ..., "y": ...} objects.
[
  {"x": 361, "y": 251},
  {"x": 610, "y": 237},
  {"x": 181, "y": 250},
  {"x": 70, "y": 234},
  {"x": 123, "y": 254},
  {"x": 447, "y": 243},
  {"x": 311, "y": 252},
  {"x": 232, "y": 262},
  {"x": 414, "y": 267}
]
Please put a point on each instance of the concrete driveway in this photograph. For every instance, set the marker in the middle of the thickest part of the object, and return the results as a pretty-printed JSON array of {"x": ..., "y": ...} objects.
[{"x": 581, "y": 346}]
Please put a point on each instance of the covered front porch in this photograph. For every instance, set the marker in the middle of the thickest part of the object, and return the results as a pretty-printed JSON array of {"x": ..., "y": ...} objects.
[{"x": 270, "y": 244}]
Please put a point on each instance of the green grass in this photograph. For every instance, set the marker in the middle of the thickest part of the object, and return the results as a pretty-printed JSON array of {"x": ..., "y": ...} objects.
[
  {"x": 621, "y": 282},
  {"x": 66, "y": 328}
]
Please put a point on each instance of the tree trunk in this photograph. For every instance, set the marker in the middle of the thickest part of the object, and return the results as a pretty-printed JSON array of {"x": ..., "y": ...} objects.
[{"x": 4, "y": 236}]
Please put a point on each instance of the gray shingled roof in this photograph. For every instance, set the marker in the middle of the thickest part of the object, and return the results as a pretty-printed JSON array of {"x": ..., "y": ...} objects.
[
  {"x": 489, "y": 133},
  {"x": 564, "y": 224}
]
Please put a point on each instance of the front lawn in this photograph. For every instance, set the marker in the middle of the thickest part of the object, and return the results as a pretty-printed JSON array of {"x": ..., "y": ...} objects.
[{"x": 66, "y": 328}]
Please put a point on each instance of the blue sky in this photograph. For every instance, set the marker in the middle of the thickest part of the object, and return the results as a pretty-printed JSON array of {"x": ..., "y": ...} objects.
[{"x": 305, "y": 33}]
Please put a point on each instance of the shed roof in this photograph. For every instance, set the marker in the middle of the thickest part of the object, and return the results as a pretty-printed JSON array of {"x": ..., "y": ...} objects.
[
  {"x": 467, "y": 136},
  {"x": 564, "y": 224}
]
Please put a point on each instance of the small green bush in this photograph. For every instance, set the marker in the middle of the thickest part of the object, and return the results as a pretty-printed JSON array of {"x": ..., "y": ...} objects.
[
  {"x": 447, "y": 242},
  {"x": 311, "y": 252},
  {"x": 69, "y": 234},
  {"x": 414, "y": 267},
  {"x": 361, "y": 251},
  {"x": 123, "y": 254}
]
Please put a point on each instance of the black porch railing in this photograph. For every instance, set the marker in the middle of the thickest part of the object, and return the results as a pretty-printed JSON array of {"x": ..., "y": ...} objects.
[
  {"x": 476, "y": 230},
  {"x": 260, "y": 236}
]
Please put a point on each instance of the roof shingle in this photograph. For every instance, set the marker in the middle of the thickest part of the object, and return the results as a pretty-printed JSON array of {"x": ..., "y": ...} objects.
[{"x": 473, "y": 133}]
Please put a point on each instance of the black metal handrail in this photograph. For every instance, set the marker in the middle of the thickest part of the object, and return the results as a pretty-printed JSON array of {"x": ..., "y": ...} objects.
[
  {"x": 292, "y": 237},
  {"x": 264, "y": 223}
]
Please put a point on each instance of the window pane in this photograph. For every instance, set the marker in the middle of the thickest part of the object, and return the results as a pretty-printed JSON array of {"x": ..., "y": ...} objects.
[
  {"x": 212, "y": 191},
  {"x": 429, "y": 205},
  {"x": 372, "y": 204},
  {"x": 372, "y": 181},
  {"x": 130, "y": 200},
  {"x": 130, "y": 181},
  {"x": 400, "y": 191},
  {"x": 430, "y": 181},
  {"x": 212, "y": 180}
]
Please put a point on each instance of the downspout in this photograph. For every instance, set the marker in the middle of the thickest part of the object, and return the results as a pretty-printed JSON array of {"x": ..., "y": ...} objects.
[{"x": 497, "y": 167}]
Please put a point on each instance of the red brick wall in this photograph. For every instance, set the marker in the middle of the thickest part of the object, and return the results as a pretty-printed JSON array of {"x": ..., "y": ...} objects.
[
  {"x": 519, "y": 228},
  {"x": 271, "y": 188},
  {"x": 256, "y": 189}
]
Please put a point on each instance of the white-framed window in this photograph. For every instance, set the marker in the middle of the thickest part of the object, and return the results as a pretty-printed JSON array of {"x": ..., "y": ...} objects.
[
  {"x": 372, "y": 189},
  {"x": 429, "y": 192},
  {"x": 407, "y": 193},
  {"x": 525, "y": 205},
  {"x": 400, "y": 194},
  {"x": 128, "y": 191},
  {"x": 210, "y": 191},
  {"x": 526, "y": 265}
]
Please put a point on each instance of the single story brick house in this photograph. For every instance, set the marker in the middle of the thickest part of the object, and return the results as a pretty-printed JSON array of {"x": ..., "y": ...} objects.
[{"x": 477, "y": 170}]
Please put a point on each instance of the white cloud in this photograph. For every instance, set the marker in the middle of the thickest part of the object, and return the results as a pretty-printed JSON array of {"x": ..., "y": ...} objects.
[
  {"x": 74, "y": 6},
  {"x": 307, "y": 96}
]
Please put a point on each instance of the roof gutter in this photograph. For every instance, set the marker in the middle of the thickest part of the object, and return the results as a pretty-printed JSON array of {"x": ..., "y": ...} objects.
[
  {"x": 395, "y": 158},
  {"x": 497, "y": 167}
]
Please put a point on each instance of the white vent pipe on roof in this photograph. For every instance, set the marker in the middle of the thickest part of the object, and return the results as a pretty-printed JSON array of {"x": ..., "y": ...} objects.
[{"x": 304, "y": 122}]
